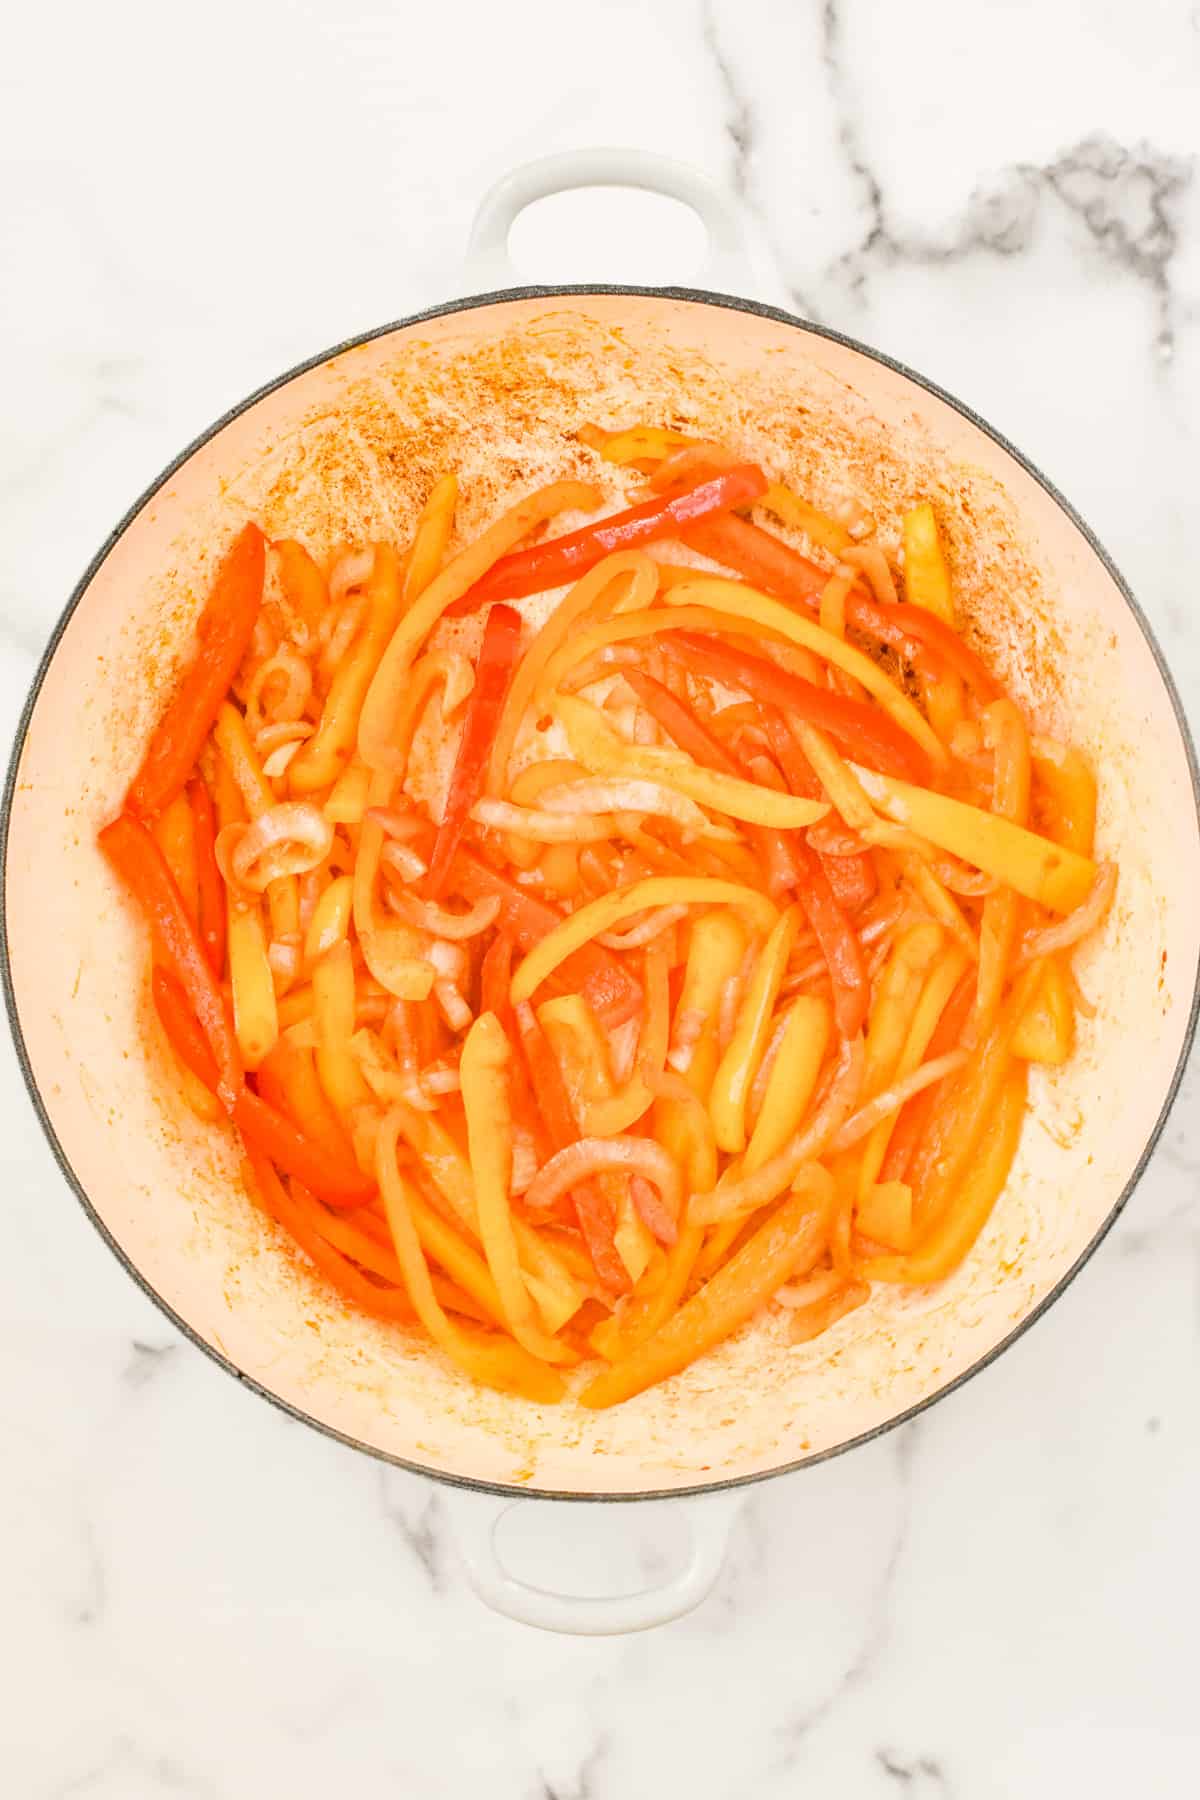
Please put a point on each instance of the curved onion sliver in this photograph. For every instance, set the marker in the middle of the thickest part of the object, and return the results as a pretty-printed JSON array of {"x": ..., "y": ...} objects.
[
  {"x": 276, "y": 764},
  {"x": 288, "y": 839},
  {"x": 407, "y": 864},
  {"x": 874, "y": 565},
  {"x": 455, "y": 927},
  {"x": 290, "y": 668},
  {"x": 652, "y": 925},
  {"x": 596, "y": 1156},
  {"x": 541, "y": 826},
  {"x": 350, "y": 570},
  {"x": 1087, "y": 915},
  {"x": 893, "y": 1098}
]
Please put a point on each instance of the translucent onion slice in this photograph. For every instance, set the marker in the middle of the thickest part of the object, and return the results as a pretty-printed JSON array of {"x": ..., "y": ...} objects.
[{"x": 288, "y": 839}]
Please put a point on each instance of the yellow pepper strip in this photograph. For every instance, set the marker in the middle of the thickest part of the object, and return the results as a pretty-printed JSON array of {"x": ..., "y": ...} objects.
[
  {"x": 833, "y": 600},
  {"x": 255, "y": 1017},
  {"x": 498, "y": 1365},
  {"x": 835, "y": 776},
  {"x": 603, "y": 752},
  {"x": 322, "y": 759},
  {"x": 431, "y": 537},
  {"x": 742, "y": 604},
  {"x": 628, "y": 628},
  {"x": 330, "y": 923},
  {"x": 484, "y": 1071},
  {"x": 637, "y": 444},
  {"x": 1071, "y": 788},
  {"x": 797, "y": 514},
  {"x": 640, "y": 577},
  {"x": 718, "y": 944},
  {"x": 1004, "y": 733},
  {"x": 952, "y": 1140},
  {"x": 1046, "y": 1030},
  {"x": 390, "y": 677},
  {"x": 295, "y": 1007},
  {"x": 922, "y": 1022},
  {"x": 981, "y": 1184},
  {"x": 1049, "y": 873},
  {"x": 555, "y": 1289},
  {"x": 896, "y": 995},
  {"x": 175, "y": 832},
  {"x": 739, "y": 1065},
  {"x": 582, "y": 1051},
  {"x": 393, "y": 952},
  {"x": 227, "y": 796},
  {"x": 926, "y": 578},
  {"x": 609, "y": 910},
  {"x": 626, "y": 1105},
  {"x": 943, "y": 697},
  {"x": 559, "y": 867},
  {"x": 333, "y": 1011},
  {"x": 792, "y": 1081},
  {"x": 785, "y": 1245},
  {"x": 941, "y": 903},
  {"x": 239, "y": 755},
  {"x": 885, "y": 1214},
  {"x": 642, "y": 1314},
  {"x": 347, "y": 800}
]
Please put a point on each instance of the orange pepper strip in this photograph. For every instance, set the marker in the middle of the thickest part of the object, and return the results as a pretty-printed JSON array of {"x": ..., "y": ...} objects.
[
  {"x": 296, "y": 1212},
  {"x": 915, "y": 1115},
  {"x": 302, "y": 583},
  {"x": 337, "y": 1182},
  {"x": 210, "y": 887},
  {"x": 811, "y": 1320},
  {"x": 288, "y": 1079},
  {"x": 786, "y": 1244},
  {"x": 139, "y": 862},
  {"x": 224, "y": 630}
]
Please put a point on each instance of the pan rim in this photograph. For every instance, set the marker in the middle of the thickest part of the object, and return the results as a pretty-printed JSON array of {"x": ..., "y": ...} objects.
[{"x": 695, "y": 296}]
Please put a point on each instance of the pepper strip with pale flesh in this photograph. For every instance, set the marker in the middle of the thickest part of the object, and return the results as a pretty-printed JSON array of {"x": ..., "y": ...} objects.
[{"x": 493, "y": 672}]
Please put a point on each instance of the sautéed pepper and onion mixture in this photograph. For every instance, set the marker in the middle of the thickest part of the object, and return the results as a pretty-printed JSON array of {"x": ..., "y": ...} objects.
[{"x": 710, "y": 978}]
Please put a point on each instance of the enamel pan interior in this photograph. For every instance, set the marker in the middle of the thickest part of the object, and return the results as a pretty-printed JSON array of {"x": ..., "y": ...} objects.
[{"x": 346, "y": 448}]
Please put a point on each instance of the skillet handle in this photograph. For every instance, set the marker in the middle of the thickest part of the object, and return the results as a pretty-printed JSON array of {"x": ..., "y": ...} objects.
[
  {"x": 475, "y": 1518},
  {"x": 727, "y": 268}
]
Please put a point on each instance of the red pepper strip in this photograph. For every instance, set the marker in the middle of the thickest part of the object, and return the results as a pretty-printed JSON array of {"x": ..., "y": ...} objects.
[
  {"x": 852, "y": 878},
  {"x": 564, "y": 559},
  {"x": 140, "y": 863},
  {"x": 768, "y": 563},
  {"x": 612, "y": 993},
  {"x": 209, "y": 884},
  {"x": 494, "y": 670},
  {"x": 868, "y": 734},
  {"x": 263, "y": 1126},
  {"x": 296, "y": 1213},
  {"x": 592, "y": 1210},
  {"x": 495, "y": 978},
  {"x": 839, "y": 945},
  {"x": 224, "y": 630},
  {"x": 690, "y": 733},
  {"x": 915, "y": 1115}
]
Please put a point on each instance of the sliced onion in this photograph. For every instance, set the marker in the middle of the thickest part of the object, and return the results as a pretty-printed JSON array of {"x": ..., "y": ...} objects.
[
  {"x": 1077, "y": 924},
  {"x": 227, "y": 841},
  {"x": 350, "y": 570},
  {"x": 685, "y": 1035},
  {"x": 524, "y": 1160},
  {"x": 440, "y": 1078},
  {"x": 652, "y": 1210},
  {"x": 344, "y": 626},
  {"x": 596, "y": 1156},
  {"x": 276, "y": 764},
  {"x": 288, "y": 667},
  {"x": 541, "y": 826},
  {"x": 283, "y": 731},
  {"x": 652, "y": 925},
  {"x": 454, "y": 1008},
  {"x": 817, "y": 1287},
  {"x": 396, "y": 824},
  {"x": 768, "y": 1182},
  {"x": 957, "y": 878},
  {"x": 288, "y": 839},
  {"x": 590, "y": 796},
  {"x": 894, "y": 1097},
  {"x": 874, "y": 565},
  {"x": 407, "y": 864},
  {"x": 455, "y": 927},
  {"x": 450, "y": 961},
  {"x": 285, "y": 962}
]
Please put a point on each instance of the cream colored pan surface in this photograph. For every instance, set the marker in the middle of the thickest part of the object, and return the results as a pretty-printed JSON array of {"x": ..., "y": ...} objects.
[{"x": 348, "y": 448}]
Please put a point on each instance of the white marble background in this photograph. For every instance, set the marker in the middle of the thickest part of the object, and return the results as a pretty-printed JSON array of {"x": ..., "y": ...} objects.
[{"x": 199, "y": 1598}]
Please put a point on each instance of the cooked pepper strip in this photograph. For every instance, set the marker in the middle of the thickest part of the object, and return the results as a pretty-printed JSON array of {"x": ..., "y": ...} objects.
[
  {"x": 564, "y": 559},
  {"x": 337, "y": 1181},
  {"x": 926, "y": 578},
  {"x": 839, "y": 945},
  {"x": 210, "y": 888},
  {"x": 739, "y": 1065},
  {"x": 785, "y": 1245},
  {"x": 493, "y": 673},
  {"x": 867, "y": 733},
  {"x": 224, "y": 630},
  {"x": 139, "y": 862}
]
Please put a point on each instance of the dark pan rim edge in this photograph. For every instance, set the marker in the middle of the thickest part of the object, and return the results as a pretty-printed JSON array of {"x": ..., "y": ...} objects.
[{"x": 695, "y": 296}]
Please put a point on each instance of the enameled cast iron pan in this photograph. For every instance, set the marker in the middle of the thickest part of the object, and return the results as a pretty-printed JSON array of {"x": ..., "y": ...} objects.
[{"x": 346, "y": 446}]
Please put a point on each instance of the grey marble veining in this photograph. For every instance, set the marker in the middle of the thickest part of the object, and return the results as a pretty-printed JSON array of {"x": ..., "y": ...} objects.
[{"x": 203, "y": 1599}]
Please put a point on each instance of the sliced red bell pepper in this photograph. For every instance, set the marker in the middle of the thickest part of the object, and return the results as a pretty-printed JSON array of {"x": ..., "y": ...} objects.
[
  {"x": 612, "y": 993},
  {"x": 916, "y": 1113},
  {"x": 564, "y": 559},
  {"x": 592, "y": 1209},
  {"x": 210, "y": 887},
  {"x": 868, "y": 734},
  {"x": 839, "y": 945},
  {"x": 140, "y": 863},
  {"x": 494, "y": 670},
  {"x": 852, "y": 878},
  {"x": 224, "y": 630},
  {"x": 271, "y": 1132},
  {"x": 495, "y": 979},
  {"x": 768, "y": 563}
]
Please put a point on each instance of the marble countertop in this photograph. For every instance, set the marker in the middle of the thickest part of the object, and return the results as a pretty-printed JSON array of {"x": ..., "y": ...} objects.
[{"x": 201, "y": 1598}]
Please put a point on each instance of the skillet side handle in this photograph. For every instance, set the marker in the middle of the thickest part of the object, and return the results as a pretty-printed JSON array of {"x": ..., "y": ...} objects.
[
  {"x": 728, "y": 267},
  {"x": 475, "y": 1518}
]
